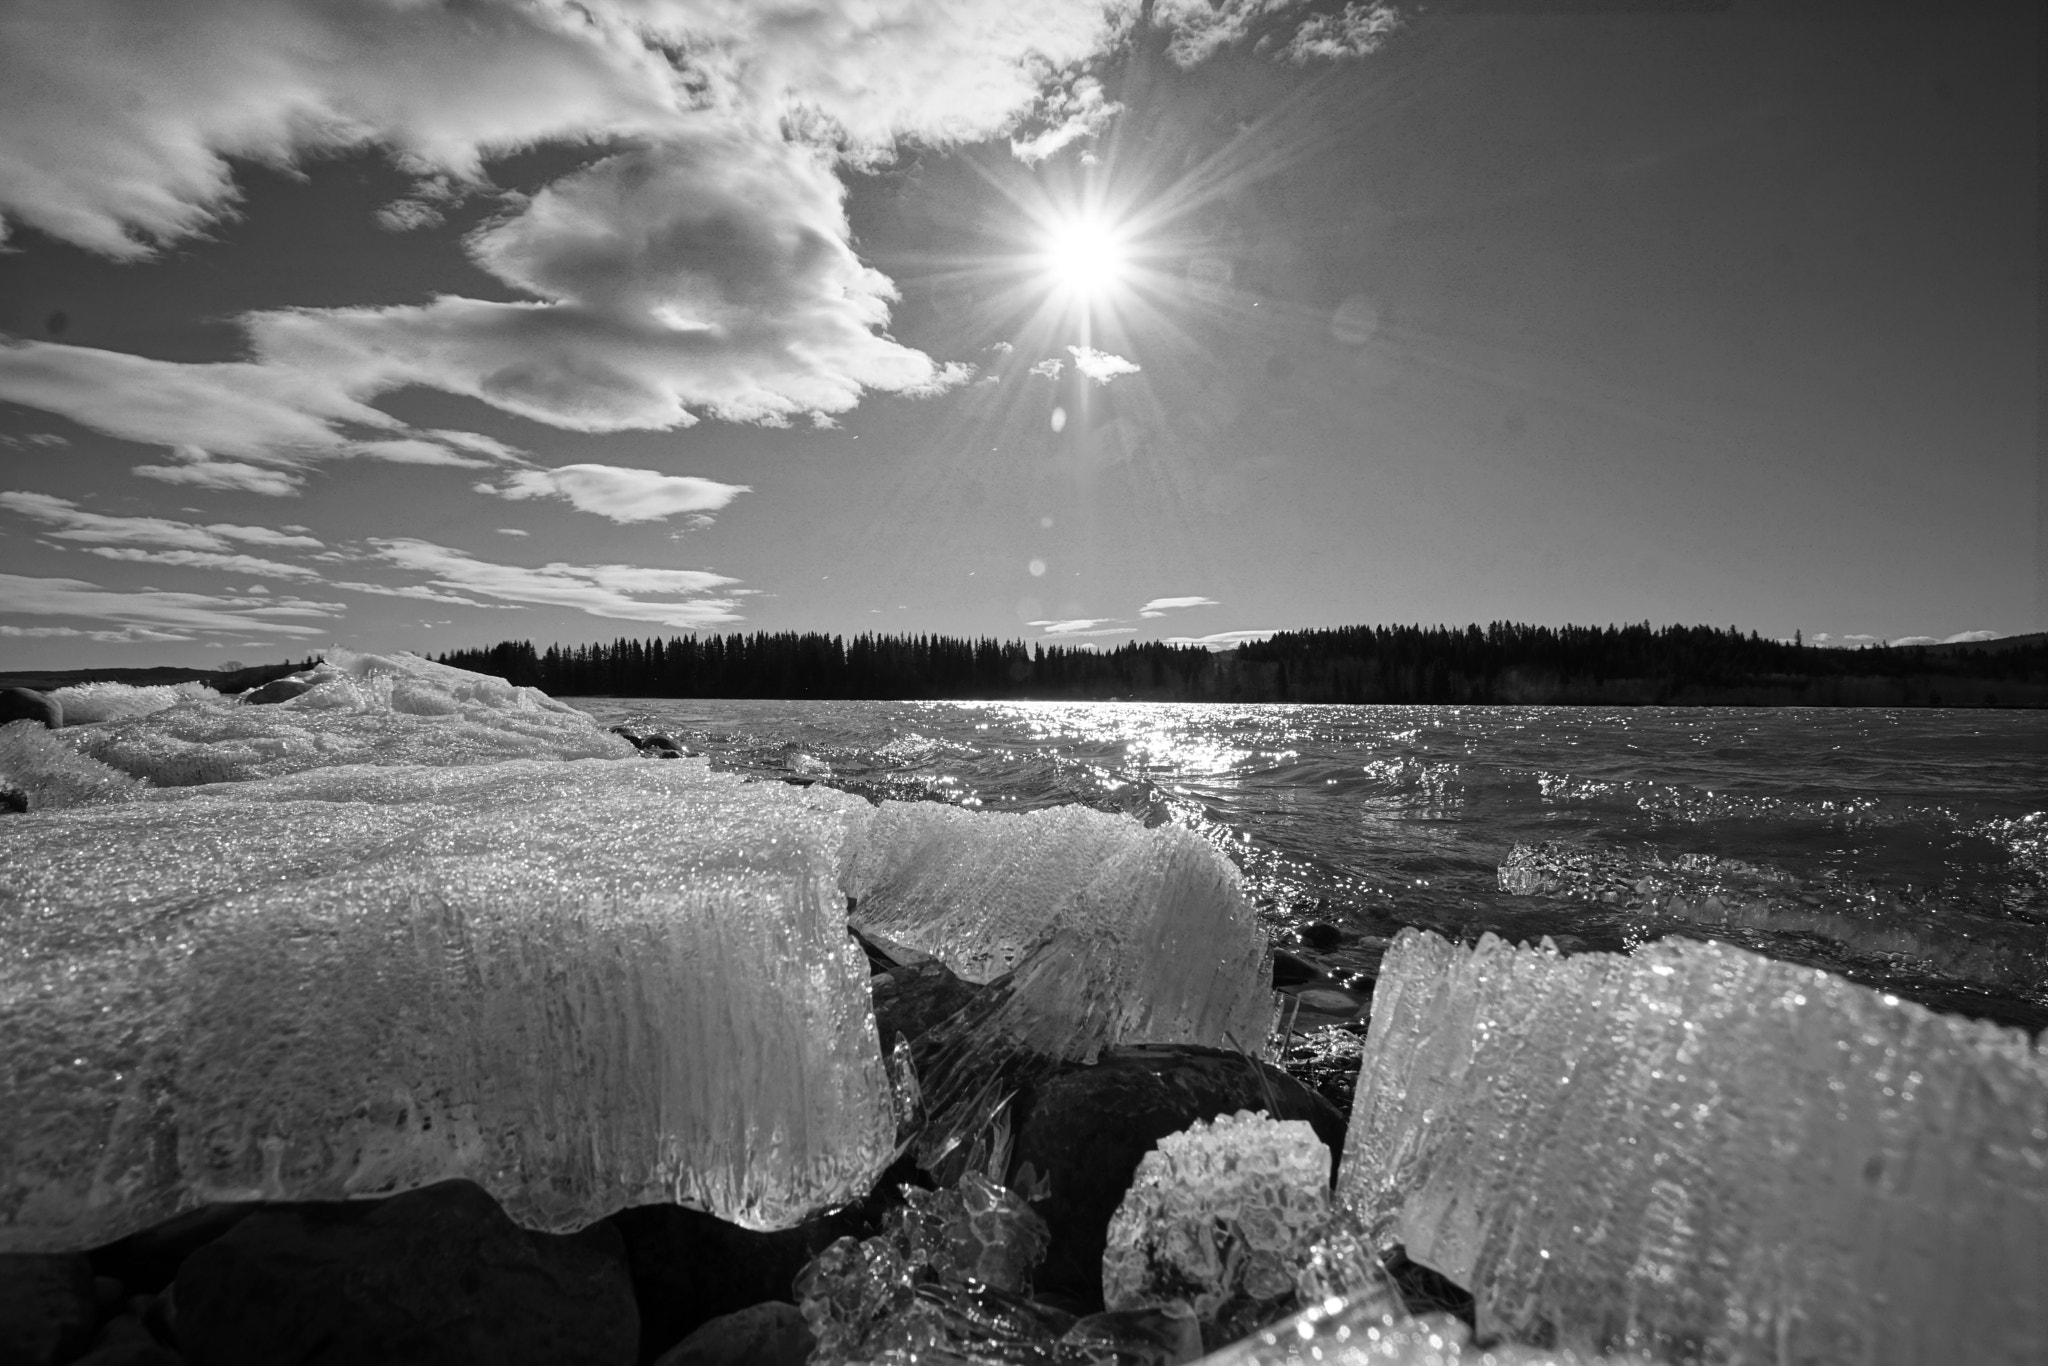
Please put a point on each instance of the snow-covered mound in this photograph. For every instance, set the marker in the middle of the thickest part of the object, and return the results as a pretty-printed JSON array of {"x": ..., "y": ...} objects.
[
  {"x": 357, "y": 709},
  {"x": 84, "y": 703}
]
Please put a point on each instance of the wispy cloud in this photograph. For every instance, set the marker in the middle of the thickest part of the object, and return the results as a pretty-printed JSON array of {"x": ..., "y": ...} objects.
[
  {"x": 619, "y": 591},
  {"x": 1159, "y": 607},
  {"x": 92, "y": 528},
  {"x": 512, "y": 531},
  {"x": 177, "y": 615},
  {"x": 624, "y": 495},
  {"x": 1085, "y": 626},
  {"x": 1101, "y": 366},
  {"x": 206, "y": 559},
  {"x": 1221, "y": 640}
]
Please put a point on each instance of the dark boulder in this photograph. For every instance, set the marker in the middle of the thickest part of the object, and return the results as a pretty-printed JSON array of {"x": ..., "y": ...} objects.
[
  {"x": 26, "y": 704},
  {"x": 1322, "y": 935},
  {"x": 277, "y": 690},
  {"x": 1292, "y": 970},
  {"x": 771, "y": 1334},
  {"x": 439, "y": 1275},
  {"x": 910, "y": 1000},
  {"x": 1085, "y": 1130},
  {"x": 148, "y": 1260},
  {"x": 689, "y": 1267},
  {"x": 48, "y": 1308}
]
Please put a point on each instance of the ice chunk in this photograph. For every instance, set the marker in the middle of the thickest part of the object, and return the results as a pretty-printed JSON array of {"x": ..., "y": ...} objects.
[
  {"x": 88, "y": 702},
  {"x": 1356, "y": 1332},
  {"x": 1173, "y": 944},
  {"x": 1235, "y": 1217},
  {"x": 51, "y": 774},
  {"x": 583, "y": 985},
  {"x": 361, "y": 709},
  {"x": 1705, "y": 1154}
]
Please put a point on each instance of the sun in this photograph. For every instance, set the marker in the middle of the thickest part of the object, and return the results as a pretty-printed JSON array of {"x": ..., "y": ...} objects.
[{"x": 1085, "y": 256}]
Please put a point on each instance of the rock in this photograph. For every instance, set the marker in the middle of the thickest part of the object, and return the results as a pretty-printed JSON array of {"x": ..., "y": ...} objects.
[
  {"x": 47, "y": 1308},
  {"x": 1292, "y": 971},
  {"x": 1322, "y": 935},
  {"x": 147, "y": 1261},
  {"x": 277, "y": 690},
  {"x": 910, "y": 1000},
  {"x": 1086, "y": 1129},
  {"x": 771, "y": 1334},
  {"x": 689, "y": 1267},
  {"x": 26, "y": 704},
  {"x": 13, "y": 801},
  {"x": 131, "y": 1354},
  {"x": 437, "y": 1275}
]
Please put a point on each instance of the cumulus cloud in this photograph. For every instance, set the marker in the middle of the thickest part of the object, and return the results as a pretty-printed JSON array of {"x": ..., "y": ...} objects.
[
  {"x": 1198, "y": 28},
  {"x": 1221, "y": 640},
  {"x": 1067, "y": 114},
  {"x": 176, "y": 615},
  {"x": 619, "y": 591},
  {"x": 1049, "y": 368},
  {"x": 1354, "y": 31},
  {"x": 1101, "y": 366},
  {"x": 624, "y": 495},
  {"x": 1159, "y": 607},
  {"x": 1959, "y": 638}
]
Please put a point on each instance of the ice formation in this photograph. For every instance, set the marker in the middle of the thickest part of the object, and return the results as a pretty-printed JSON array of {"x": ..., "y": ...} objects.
[
  {"x": 50, "y": 774},
  {"x": 361, "y": 709},
  {"x": 88, "y": 702},
  {"x": 1704, "y": 1154},
  {"x": 1171, "y": 940},
  {"x": 1235, "y": 1218},
  {"x": 1357, "y": 1332},
  {"x": 581, "y": 984},
  {"x": 946, "y": 1280}
]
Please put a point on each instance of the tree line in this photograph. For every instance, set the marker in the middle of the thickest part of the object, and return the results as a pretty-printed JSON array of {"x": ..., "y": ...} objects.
[{"x": 1504, "y": 662}]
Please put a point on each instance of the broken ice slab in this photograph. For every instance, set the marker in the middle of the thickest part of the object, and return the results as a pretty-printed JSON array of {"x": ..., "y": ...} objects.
[
  {"x": 1704, "y": 1154},
  {"x": 49, "y": 774},
  {"x": 360, "y": 709},
  {"x": 584, "y": 985},
  {"x": 1357, "y": 1332},
  {"x": 1174, "y": 945}
]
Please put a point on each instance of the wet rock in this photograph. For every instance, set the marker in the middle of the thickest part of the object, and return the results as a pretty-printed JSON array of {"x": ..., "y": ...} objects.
[
  {"x": 47, "y": 1308},
  {"x": 437, "y": 1275},
  {"x": 1085, "y": 1130},
  {"x": 146, "y": 1261},
  {"x": 13, "y": 801},
  {"x": 277, "y": 690},
  {"x": 772, "y": 1334},
  {"x": 1289, "y": 970},
  {"x": 910, "y": 1000},
  {"x": 1322, "y": 935},
  {"x": 127, "y": 1341},
  {"x": 689, "y": 1267},
  {"x": 26, "y": 704}
]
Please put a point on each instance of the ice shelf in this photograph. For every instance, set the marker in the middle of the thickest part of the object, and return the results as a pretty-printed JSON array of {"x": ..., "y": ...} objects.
[
  {"x": 1704, "y": 1154},
  {"x": 582, "y": 984},
  {"x": 359, "y": 709},
  {"x": 1172, "y": 946}
]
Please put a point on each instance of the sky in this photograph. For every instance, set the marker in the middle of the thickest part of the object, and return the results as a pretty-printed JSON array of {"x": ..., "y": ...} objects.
[{"x": 432, "y": 324}]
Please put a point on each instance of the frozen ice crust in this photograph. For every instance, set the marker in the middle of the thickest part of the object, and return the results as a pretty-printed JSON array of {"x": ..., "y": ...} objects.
[
  {"x": 1703, "y": 1154},
  {"x": 359, "y": 709},
  {"x": 1173, "y": 950},
  {"x": 583, "y": 985}
]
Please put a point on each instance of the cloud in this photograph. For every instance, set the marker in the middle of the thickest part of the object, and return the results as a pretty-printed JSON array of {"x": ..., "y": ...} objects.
[
  {"x": 1159, "y": 607},
  {"x": 1084, "y": 626},
  {"x": 198, "y": 468},
  {"x": 1355, "y": 31},
  {"x": 1101, "y": 366},
  {"x": 1199, "y": 28},
  {"x": 206, "y": 559},
  {"x": 1959, "y": 638},
  {"x": 127, "y": 635},
  {"x": 1222, "y": 640},
  {"x": 1049, "y": 368},
  {"x": 603, "y": 590},
  {"x": 47, "y": 440},
  {"x": 414, "y": 590},
  {"x": 91, "y": 528},
  {"x": 155, "y": 610},
  {"x": 1069, "y": 114},
  {"x": 624, "y": 495},
  {"x": 512, "y": 531}
]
